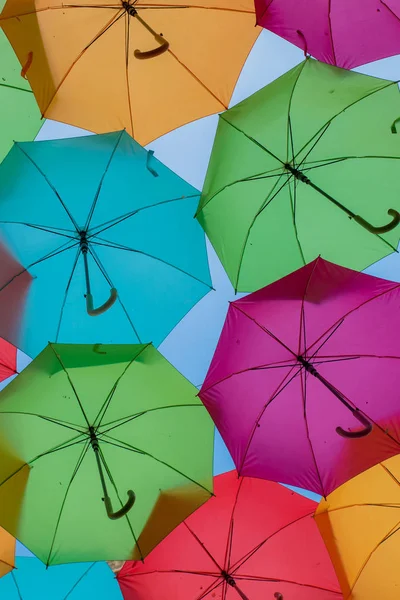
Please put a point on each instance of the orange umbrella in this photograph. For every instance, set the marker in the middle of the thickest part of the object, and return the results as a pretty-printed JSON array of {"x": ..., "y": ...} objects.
[
  {"x": 360, "y": 524},
  {"x": 7, "y": 552},
  {"x": 145, "y": 65}
]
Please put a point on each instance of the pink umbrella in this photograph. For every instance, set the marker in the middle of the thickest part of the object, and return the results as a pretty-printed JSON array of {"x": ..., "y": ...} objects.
[
  {"x": 339, "y": 32},
  {"x": 304, "y": 385}
]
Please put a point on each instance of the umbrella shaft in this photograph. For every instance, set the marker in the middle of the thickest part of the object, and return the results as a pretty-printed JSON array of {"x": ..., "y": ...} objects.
[
  {"x": 239, "y": 591},
  {"x": 84, "y": 250},
  {"x": 313, "y": 371}
]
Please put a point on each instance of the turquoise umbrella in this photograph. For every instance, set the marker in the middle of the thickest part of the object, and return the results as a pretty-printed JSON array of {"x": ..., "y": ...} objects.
[
  {"x": 102, "y": 240},
  {"x": 80, "y": 581}
]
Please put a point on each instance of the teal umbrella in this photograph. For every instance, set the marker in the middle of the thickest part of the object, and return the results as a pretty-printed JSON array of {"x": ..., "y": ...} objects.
[
  {"x": 31, "y": 580},
  {"x": 96, "y": 217}
]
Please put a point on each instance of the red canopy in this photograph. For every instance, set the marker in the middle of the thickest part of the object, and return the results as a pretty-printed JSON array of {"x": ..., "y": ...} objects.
[
  {"x": 254, "y": 540},
  {"x": 8, "y": 360}
]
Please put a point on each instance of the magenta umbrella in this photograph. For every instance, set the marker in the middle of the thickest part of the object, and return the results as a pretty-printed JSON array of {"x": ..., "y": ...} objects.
[
  {"x": 339, "y": 32},
  {"x": 304, "y": 385}
]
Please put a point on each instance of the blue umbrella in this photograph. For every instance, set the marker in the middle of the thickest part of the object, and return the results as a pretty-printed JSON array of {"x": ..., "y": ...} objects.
[
  {"x": 99, "y": 241},
  {"x": 80, "y": 581}
]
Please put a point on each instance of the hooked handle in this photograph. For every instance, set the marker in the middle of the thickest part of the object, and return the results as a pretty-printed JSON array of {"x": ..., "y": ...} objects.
[
  {"x": 163, "y": 44},
  {"x": 357, "y": 434},
  {"x": 93, "y": 312},
  {"x": 122, "y": 511},
  {"x": 384, "y": 228}
]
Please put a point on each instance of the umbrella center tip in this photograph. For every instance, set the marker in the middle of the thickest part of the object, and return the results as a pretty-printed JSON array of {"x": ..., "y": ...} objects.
[{"x": 128, "y": 6}]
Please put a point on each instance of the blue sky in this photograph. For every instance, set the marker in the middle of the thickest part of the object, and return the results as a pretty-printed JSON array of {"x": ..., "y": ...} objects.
[{"x": 186, "y": 150}]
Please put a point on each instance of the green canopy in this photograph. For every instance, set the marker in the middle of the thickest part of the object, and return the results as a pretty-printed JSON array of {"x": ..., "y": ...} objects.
[
  {"x": 20, "y": 117},
  {"x": 307, "y": 166},
  {"x": 84, "y": 422}
]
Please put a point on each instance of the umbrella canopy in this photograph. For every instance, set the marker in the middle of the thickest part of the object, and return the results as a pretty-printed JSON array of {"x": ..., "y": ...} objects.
[
  {"x": 360, "y": 525},
  {"x": 337, "y": 32},
  {"x": 31, "y": 580},
  {"x": 84, "y": 423},
  {"x": 255, "y": 540},
  {"x": 8, "y": 360},
  {"x": 147, "y": 65},
  {"x": 7, "y": 552},
  {"x": 20, "y": 117},
  {"x": 310, "y": 159},
  {"x": 303, "y": 385},
  {"x": 100, "y": 217}
]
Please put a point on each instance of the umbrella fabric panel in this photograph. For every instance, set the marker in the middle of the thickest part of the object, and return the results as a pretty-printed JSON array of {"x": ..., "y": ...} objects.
[
  {"x": 155, "y": 438},
  {"x": 196, "y": 77},
  {"x": 334, "y": 32},
  {"x": 8, "y": 360}
]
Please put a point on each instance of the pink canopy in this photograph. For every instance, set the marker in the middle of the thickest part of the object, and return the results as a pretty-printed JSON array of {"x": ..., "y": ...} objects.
[
  {"x": 304, "y": 385},
  {"x": 339, "y": 32}
]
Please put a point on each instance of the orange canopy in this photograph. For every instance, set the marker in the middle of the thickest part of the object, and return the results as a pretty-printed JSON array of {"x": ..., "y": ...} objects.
[
  {"x": 87, "y": 64},
  {"x": 7, "y": 552},
  {"x": 360, "y": 523}
]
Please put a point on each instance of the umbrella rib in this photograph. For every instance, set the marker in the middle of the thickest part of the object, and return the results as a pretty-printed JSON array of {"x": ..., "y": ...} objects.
[
  {"x": 51, "y": 186},
  {"x": 277, "y": 365},
  {"x": 117, "y": 220},
  {"x": 302, "y": 314},
  {"x": 280, "y": 580},
  {"x": 124, "y": 420},
  {"x": 115, "y": 246},
  {"x": 161, "y": 6},
  {"x": 77, "y": 467},
  {"x": 127, "y": 53},
  {"x": 15, "y": 87},
  {"x": 278, "y": 390},
  {"x": 52, "y": 254},
  {"x": 252, "y": 140},
  {"x": 65, "y": 424},
  {"x": 71, "y": 383},
  {"x": 326, "y": 340},
  {"x": 186, "y": 68},
  {"x": 228, "y": 553},
  {"x": 102, "y": 412},
  {"x": 202, "y": 545},
  {"x": 125, "y": 446},
  {"x": 267, "y": 202},
  {"x": 265, "y": 330},
  {"x": 331, "y": 30},
  {"x": 241, "y": 561},
  {"x": 78, "y": 581},
  {"x": 41, "y": 228},
  {"x": 16, "y": 585},
  {"x": 66, "y": 293},
  {"x": 303, "y": 382},
  {"x": 96, "y": 197}
]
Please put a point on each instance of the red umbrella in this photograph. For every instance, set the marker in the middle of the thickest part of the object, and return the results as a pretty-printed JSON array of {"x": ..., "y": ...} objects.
[
  {"x": 8, "y": 360},
  {"x": 338, "y": 32},
  {"x": 254, "y": 540}
]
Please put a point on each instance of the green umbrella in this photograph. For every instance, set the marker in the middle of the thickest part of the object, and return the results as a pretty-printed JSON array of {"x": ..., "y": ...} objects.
[
  {"x": 84, "y": 423},
  {"x": 307, "y": 166},
  {"x": 20, "y": 117}
]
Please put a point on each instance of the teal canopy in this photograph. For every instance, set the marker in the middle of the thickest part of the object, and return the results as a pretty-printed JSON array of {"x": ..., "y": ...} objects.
[{"x": 96, "y": 217}]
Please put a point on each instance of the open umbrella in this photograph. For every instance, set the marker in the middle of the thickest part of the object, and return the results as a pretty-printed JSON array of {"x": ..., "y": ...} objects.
[
  {"x": 7, "y": 552},
  {"x": 147, "y": 65},
  {"x": 360, "y": 525},
  {"x": 82, "y": 424},
  {"x": 96, "y": 217},
  {"x": 303, "y": 385},
  {"x": 20, "y": 117},
  {"x": 31, "y": 580},
  {"x": 254, "y": 540},
  {"x": 342, "y": 33},
  {"x": 306, "y": 166}
]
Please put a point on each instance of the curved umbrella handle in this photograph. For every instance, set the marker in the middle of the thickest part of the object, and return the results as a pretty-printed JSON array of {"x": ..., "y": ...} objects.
[
  {"x": 163, "y": 44},
  {"x": 93, "y": 312},
  {"x": 163, "y": 47},
  {"x": 122, "y": 511},
  {"x": 357, "y": 434},
  {"x": 278, "y": 596},
  {"x": 384, "y": 228}
]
